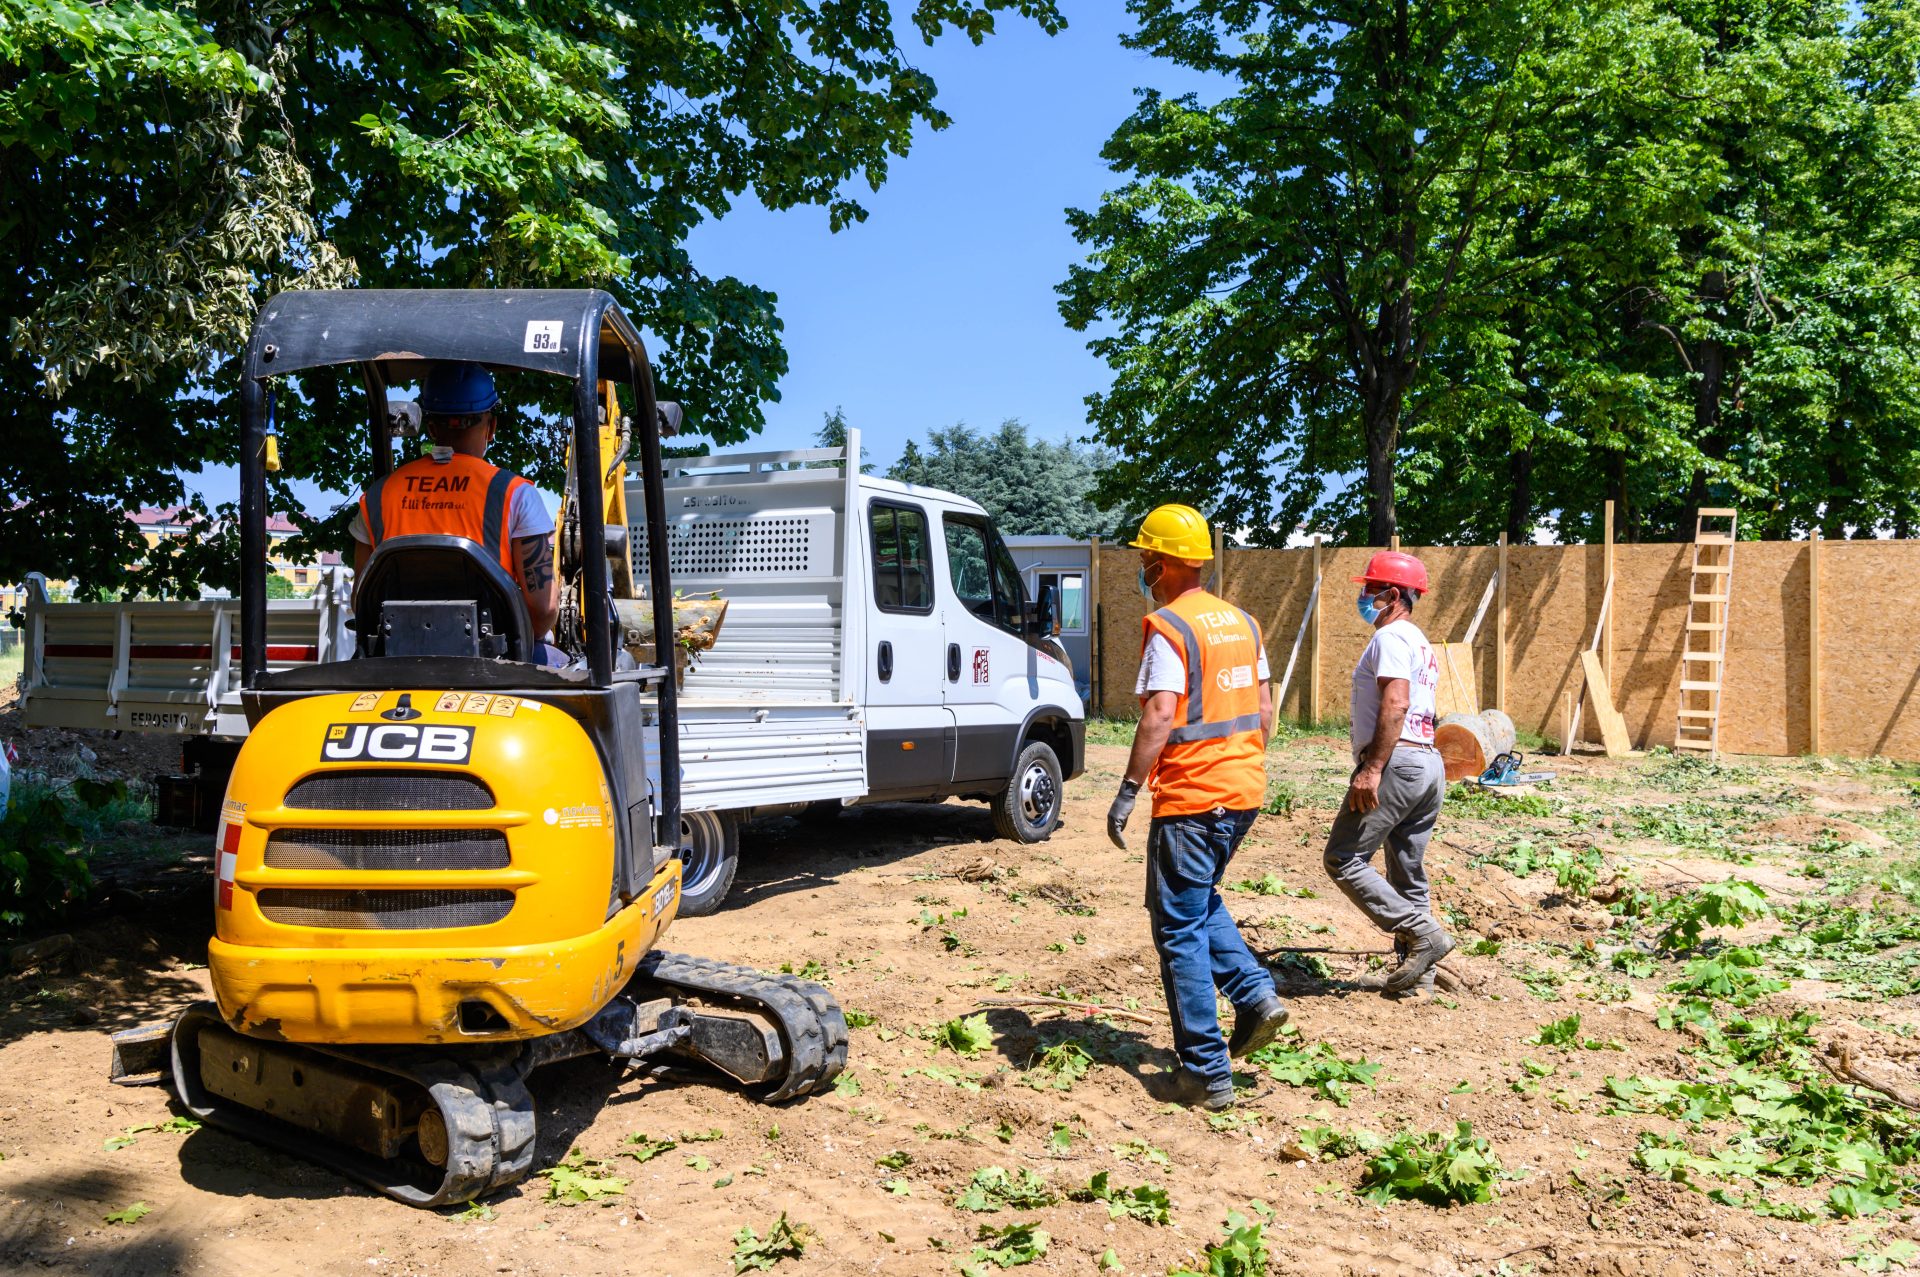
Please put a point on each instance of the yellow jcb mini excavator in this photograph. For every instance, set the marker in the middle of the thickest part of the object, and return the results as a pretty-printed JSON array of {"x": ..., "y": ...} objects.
[{"x": 442, "y": 865}]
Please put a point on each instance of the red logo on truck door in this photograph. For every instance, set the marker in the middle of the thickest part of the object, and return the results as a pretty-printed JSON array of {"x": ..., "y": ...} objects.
[{"x": 980, "y": 665}]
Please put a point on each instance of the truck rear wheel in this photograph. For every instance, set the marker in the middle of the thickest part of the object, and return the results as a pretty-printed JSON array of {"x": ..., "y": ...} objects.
[
  {"x": 1028, "y": 809},
  {"x": 709, "y": 857}
]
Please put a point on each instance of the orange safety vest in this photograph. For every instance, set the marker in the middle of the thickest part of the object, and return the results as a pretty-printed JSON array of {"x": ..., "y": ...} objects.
[
  {"x": 1216, "y": 753},
  {"x": 462, "y": 497}
]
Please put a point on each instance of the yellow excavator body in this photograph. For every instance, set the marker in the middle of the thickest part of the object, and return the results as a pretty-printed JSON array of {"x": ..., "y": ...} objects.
[
  {"x": 423, "y": 895},
  {"x": 428, "y": 866}
]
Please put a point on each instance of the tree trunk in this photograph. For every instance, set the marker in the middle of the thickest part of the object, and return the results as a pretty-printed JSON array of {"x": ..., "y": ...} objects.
[
  {"x": 1520, "y": 460},
  {"x": 1617, "y": 493},
  {"x": 1711, "y": 366},
  {"x": 1519, "y": 491},
  {"x": 1382, "y": 420}
]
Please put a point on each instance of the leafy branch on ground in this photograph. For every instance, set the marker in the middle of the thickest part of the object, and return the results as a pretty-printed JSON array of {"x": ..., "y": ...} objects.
[
  {"x": 1722, "y": 904},
  {"x": 1271, "y": 884},
  {"x": 967, "y": 1035},
  {"x": 1007, "y": 1247},
  {"x": 784, "y": 1240},
  {"x": 1058, "y": 1067},
  {"x": 44, "y": 839},
  {"x": 1241, "y": 1253},
  {"x": 579, "y": 1178},
  {"x": 1431, "y": 1167},
  {"x": 1325, "y": 1144},
  {"x": 1143, "y": 1202},
  {"x": 1318, "y": 1066},
  {"x": 992, "y": 1189},
  {"x": 644, "y": 1148}
]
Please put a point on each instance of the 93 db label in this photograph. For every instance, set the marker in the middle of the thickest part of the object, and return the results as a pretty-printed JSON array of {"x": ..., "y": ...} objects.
[{"x": 396, "y": 743}]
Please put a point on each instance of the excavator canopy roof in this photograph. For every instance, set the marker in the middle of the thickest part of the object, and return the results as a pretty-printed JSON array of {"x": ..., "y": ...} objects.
[{"x": 549, "y": 330}]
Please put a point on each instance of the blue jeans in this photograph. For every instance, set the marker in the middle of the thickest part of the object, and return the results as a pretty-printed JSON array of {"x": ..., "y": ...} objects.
[{"x": 1199, "y": 945}]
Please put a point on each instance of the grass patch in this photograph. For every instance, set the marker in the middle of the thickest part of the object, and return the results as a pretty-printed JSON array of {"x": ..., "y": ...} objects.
[{"x": 1110, "y": 731}]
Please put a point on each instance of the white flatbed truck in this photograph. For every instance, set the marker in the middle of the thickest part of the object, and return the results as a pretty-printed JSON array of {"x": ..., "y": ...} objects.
[{"x": 878, "y": 646}]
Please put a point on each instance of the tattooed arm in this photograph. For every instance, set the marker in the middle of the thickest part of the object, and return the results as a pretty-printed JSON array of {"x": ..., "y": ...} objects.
[{"x": 538, "y": 583}]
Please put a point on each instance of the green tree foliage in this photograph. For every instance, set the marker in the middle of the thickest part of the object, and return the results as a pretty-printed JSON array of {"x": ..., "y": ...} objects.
[
  {"x": 169, "y": 165},
  {"x": 833, "y": 434},
  {"x": 1029, "y": 486},
  {"x": 1449, "y": 269}
]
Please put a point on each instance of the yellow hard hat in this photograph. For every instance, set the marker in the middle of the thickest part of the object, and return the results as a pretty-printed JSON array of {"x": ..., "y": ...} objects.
[{"x": 1178, "y": 530}]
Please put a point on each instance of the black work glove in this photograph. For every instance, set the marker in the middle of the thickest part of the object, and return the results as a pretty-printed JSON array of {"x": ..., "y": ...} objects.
[{"x": 1122, "y": 809}]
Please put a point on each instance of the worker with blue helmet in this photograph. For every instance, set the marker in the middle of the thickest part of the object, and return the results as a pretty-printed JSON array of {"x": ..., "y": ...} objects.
[
  {"x": 455, "y": 491},
  {"x": 458, "y": 388}
]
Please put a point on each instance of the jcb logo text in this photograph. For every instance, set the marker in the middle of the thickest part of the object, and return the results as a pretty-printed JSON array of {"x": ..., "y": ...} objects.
[{"x": 395, "y": 743}]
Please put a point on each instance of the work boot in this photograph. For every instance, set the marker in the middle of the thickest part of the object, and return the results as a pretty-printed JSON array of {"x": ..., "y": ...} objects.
[
  {"x": 1422, "y": 990},
  {"x": 1425, "y": 947},
  {"x": 1257, "y": 1025},
  {"x": 1185, "y": 1087}
]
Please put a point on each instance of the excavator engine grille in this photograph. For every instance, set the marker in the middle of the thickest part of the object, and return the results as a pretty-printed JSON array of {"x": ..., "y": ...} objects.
[
  {"x": 375, "y": 790},
  {"x": 388, "y": 849},
  {"x": 356, "y": 910}
]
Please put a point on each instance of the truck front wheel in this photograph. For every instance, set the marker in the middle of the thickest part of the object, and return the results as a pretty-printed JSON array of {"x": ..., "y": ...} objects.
[
  {"x": 709, "y": 856},
  {"x": 1028, "y": 809}
]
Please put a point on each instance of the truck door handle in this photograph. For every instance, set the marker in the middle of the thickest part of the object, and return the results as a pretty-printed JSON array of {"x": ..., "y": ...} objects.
[
  {"x": 953, "y": 662},
  {"x": 886, "y": 660}
]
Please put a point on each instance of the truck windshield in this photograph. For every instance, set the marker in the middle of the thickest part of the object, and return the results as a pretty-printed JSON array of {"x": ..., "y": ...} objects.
[{"x": 982, "y": 572}]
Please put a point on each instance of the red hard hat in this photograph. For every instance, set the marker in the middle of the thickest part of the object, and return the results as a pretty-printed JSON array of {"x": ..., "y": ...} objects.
[{"x": 1391, "y": 567}]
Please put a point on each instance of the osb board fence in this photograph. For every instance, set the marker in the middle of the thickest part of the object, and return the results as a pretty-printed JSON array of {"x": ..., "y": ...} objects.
[{"x": 1869, "y": 639}]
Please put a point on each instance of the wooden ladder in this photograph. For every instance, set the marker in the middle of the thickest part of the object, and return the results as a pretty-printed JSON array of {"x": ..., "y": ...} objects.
[{"x": 1703, "y": 662}]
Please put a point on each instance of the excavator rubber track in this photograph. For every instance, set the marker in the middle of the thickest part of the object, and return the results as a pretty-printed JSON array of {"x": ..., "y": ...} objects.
[
  {"x": 437, "y": 1126},
  {"x": 478, "y": 1097},
  {"x": 812, "y": 1027}
]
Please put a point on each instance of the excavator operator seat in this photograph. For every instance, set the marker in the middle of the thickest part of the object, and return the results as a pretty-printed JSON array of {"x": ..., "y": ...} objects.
[{"x": 433, "y": 595}]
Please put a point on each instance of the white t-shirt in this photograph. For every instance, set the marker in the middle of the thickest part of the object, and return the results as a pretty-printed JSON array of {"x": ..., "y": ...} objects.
[
  {"x": 527, "y": 516},
  {"x": 1162, "y": 670},
  {"x": 1398, "y": 650}
]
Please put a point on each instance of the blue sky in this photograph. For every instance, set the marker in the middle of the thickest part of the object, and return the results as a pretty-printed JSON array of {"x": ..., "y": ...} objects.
[{"x": 940, "y": 306}]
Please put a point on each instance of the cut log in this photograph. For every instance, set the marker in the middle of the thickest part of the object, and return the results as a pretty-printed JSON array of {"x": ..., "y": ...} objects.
[{"x": 1468, "y": 743}]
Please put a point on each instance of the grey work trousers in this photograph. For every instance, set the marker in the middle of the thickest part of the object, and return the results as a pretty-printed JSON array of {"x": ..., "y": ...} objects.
[{"x": 1411, "y": 788}]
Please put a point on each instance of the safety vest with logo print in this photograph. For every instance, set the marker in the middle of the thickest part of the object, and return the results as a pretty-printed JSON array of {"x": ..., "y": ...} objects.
[
  {"x": 462, "y": 496},
  {"x": 1215, "y": 755}
]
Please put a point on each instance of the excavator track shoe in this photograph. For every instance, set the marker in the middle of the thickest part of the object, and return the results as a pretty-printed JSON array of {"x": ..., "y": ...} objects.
[
  {"x": 424, "y": 1127},
  {"x": 811, "y": 1027}
]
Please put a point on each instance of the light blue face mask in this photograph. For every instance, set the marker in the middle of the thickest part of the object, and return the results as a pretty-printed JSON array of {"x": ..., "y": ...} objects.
[
  {"x": 1146, "y": 590},
  {"x": 1369, "y": 607}
]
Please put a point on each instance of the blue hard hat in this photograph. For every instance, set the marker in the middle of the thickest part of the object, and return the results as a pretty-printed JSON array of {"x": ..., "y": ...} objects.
[{"x": 458, "y": 389}]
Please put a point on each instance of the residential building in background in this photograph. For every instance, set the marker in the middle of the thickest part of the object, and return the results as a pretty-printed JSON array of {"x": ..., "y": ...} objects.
[{"x": 161, "y": 524}]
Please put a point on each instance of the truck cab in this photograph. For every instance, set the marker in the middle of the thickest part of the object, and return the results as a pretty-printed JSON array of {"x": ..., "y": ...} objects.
[
  {"x": 963, "y": 678},
  {"x": 896, "y": 606}
]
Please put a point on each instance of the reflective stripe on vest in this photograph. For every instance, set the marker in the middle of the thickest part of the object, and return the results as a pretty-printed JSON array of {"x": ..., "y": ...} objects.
[
  {"x": 1214, "y": 731},
  {"x": 468, "y": 498},
  {"x": 1215, "y": 754}
]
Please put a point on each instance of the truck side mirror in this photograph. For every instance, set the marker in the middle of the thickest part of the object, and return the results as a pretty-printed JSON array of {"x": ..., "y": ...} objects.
[
  {"x": 1044, "y": 612},
  {"x": 672, "y": 416},
  {"x": 403, "y": 419}
]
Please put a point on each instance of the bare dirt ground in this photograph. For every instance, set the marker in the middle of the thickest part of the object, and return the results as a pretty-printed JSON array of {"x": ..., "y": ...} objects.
[{"x": 915, "y": 916}]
